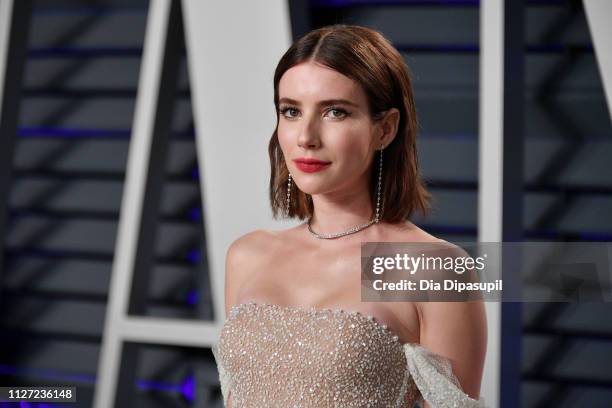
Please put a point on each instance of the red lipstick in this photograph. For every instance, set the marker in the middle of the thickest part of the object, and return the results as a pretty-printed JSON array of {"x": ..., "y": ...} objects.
[{"x": 309, "y": 165}]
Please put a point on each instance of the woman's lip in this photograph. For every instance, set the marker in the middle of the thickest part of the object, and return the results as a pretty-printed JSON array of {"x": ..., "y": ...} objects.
[
  {"x": 310, "y": 161},
  {"x": 311, "y": 167}
]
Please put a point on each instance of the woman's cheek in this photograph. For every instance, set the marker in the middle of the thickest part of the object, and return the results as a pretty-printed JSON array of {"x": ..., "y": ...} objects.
[{"x": 283, "y": 137}]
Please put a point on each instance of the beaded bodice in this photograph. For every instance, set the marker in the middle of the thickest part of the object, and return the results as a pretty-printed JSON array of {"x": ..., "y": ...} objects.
[{"x": 280, "y": 356}]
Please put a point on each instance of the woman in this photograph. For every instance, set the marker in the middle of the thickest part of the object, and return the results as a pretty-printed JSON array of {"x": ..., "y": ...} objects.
[{"x": 297, "y": 332}]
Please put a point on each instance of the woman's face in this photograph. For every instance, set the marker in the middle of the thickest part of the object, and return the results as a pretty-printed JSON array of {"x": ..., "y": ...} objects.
[{"x": 324, "y": 115}]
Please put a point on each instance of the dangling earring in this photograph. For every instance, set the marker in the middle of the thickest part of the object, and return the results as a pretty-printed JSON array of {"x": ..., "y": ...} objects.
[
  {"x": 378, "y": 188},
  {"x": 288, "y": 195}
]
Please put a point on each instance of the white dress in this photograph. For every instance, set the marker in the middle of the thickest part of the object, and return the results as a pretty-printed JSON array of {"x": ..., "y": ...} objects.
[{"x": 281, "y": 356}]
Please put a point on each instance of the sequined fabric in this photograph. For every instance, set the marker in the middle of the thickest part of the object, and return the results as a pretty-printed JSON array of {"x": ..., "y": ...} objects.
[{"x": 279, "y": 356}]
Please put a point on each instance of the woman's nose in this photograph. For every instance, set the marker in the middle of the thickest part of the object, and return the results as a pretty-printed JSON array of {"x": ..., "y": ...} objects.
[{"x": 309, "y": 136}]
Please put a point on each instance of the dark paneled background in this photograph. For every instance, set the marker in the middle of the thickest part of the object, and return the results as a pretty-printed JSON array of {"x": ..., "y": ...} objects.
[{"x": 76, "y": 111}]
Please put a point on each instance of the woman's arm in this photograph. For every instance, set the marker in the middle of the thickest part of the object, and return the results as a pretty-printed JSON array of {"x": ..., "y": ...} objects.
[{"x": 457, "y": 331}]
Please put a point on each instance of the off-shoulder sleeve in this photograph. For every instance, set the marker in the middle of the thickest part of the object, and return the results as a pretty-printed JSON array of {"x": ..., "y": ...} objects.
[
  {"x": 223, "y": 376},
  {"x": 433, "y": 376}
]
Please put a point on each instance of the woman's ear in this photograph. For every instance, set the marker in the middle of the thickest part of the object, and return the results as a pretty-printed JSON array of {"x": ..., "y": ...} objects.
[{"x": 389, "y": 124}]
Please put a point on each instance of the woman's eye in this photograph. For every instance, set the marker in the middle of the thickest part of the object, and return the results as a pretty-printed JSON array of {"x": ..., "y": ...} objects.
[
  {"x": 289, "y": 112},
  {"x": 334, "y": 113},
  {"x": 337, "y": 113}
]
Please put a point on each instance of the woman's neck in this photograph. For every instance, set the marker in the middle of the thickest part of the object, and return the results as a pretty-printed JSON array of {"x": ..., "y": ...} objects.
[{"x": 336, "y": 214}]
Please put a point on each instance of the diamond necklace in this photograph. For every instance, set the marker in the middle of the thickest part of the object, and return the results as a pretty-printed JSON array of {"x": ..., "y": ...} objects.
[{"x": 343, "y": 233}]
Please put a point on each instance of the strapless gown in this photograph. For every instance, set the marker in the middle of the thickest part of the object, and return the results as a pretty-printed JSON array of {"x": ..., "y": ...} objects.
[{"x": 281, "y": 356}]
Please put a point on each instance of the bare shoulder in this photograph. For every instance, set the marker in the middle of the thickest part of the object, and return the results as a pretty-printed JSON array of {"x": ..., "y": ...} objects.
[
  {"x": 248, "y": 244},
  {"x": 409, "y": 232},
  {"x": 251, "y": 250},
  {"x": 444, "y": 310},
  {"x": 250, "y": 254},
  {"x": 417, "y": 234},
  {"x": 243, "y": 256}
]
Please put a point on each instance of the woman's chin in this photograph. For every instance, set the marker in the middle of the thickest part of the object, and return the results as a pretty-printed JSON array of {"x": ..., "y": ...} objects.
[{"x": 312, "y": 189}]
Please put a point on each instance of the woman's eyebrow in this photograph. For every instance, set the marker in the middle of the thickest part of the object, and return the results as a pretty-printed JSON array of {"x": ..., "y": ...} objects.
[{"x": 326, "y": 102}]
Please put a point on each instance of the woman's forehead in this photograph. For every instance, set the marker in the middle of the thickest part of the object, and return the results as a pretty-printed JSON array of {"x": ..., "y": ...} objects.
[{"x": 312, "y": 81}]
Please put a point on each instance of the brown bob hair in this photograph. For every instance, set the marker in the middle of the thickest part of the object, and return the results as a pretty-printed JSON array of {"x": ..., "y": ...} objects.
[{"x": 368, "y": 58}]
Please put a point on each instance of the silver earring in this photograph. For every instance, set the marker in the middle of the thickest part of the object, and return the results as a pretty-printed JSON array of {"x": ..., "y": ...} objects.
[
  {"x": 288, "y": 195},
  {"x": 378, "y": 206}
]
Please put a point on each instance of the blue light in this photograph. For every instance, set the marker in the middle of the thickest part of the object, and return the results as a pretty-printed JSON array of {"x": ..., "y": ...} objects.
[
  {"x": 374, "y": 3},
  {"x": 185, "y": 388},
  {"x": 47, "y": 52},
  {"x": 195, "y": 214},
  {"x": 72, "y": 133},
  {"x": 193, "y": 297},
  {"x": 154, "y": 385},
  {"x": 46, "y": 373},
  {"x": 595, "y": 236},
  {"x": 194, "y": 256},
  {"x": 188, "y": 388}
]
